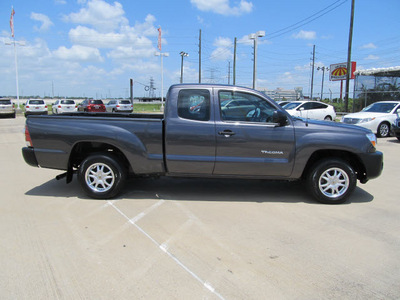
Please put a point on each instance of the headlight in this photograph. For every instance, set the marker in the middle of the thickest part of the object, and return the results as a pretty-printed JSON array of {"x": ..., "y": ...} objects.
[
  {"x": 372, "y": 138},
  {"x": 366, "y": 120}
]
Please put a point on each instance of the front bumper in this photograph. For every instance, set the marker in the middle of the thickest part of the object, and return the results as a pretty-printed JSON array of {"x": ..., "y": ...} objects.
[
  {"x": 373, "y": 163},
  {"x": 29, "y": 156}
]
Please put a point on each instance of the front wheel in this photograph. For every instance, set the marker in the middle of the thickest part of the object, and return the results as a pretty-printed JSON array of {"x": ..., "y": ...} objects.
[
  {"x": 331, "y": 181},
  {"x": 383, "y": 130},
  {"x": 101, "y": 176}
]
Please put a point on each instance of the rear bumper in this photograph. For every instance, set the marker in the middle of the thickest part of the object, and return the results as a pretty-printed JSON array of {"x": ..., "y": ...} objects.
[
  {"x": 29, "y": 156},
  {"x": 373, "y": 163}
]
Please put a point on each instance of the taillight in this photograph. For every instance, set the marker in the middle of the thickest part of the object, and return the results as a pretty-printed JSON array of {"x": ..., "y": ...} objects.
[
  {"x": 45, "y": 106},
  {"x": 118, "y": 106},
  {"x": 27, "y": 106},
  {"x": 59, "y": 106},
  {"x": 28, "y": 137}
]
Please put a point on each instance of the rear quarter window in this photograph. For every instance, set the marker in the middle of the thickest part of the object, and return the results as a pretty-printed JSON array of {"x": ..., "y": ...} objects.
[{"x": 194, "y": 104}]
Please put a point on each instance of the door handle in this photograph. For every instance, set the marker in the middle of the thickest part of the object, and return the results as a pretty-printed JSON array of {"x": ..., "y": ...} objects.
[{"x": 226, "y": 133}]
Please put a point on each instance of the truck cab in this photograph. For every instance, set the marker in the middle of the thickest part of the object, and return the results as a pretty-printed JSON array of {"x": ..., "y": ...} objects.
[{"x": 225, "y": 131}]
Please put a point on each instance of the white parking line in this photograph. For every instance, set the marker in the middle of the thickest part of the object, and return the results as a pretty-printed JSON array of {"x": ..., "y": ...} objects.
[{"x": 163, "y": 247}]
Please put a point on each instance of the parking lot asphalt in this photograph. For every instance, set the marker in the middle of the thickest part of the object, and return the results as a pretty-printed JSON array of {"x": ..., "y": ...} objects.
[{"x": 194, "y": 238}]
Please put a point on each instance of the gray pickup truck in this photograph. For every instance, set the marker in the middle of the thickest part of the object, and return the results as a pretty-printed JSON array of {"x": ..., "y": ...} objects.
[{"x": 217, "y": 131}]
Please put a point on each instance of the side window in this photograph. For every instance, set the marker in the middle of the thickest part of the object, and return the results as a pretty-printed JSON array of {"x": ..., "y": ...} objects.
[
  {"x": 244, "y": 107},
  {"x": 307, "y": 106},
  {"x": 194, "y": 104},
  {"x": 319, "y": 106}
]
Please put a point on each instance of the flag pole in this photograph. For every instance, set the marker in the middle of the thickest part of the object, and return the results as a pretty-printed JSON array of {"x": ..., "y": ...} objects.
[{"x": 15, "y": 53}]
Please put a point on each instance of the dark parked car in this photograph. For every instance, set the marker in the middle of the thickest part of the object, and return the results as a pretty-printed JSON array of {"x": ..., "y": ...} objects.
[
  {"x": 90, "y": 105},
  {"x": 396, "y": 126}
]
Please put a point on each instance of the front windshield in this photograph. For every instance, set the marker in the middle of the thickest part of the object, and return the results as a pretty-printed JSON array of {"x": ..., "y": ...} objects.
[
  {"x": 380, "y": 107},
  {"x": 291, "y": 105}
]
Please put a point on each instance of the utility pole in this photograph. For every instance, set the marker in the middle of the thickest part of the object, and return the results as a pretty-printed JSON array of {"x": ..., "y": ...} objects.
[
  {"x": 346, "y": 97},
  {"x": 312, "y": 72},
  {"x": 322, "y": 85},
  {"x": 234, "y": 62},
  {"x": 200, "y": 57},
  {"x": 229, "y": 72},
  {"x": 131, "y": 89}
]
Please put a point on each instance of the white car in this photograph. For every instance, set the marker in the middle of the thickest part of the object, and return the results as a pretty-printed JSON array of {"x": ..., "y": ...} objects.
[
  {"x": 65, "y": 105},
  {"x": 311, "y": 110},
  {"x": 378, "y": 117},
  {"x": 35, "y": 107}
]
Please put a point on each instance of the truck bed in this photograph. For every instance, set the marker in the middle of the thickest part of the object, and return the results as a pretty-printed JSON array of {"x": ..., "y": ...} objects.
[{"x": 139, "y": 136}]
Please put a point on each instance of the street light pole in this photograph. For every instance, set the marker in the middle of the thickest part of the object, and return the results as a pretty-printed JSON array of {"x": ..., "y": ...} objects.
[
  {"x": 183, "y": 54},
  {"x": 255, "y": 36},
  {"x": 162, "y": 54},
  {"x": 14, "y": 42}
]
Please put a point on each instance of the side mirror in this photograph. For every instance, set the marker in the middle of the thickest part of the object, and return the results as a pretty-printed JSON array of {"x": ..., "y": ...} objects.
[{"x": 279, "y": 117}]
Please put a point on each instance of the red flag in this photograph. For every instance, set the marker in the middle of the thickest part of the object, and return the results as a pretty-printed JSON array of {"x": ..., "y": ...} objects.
[
  {"x": 12, "y": 21},
  {"x": 159, "y": 38}
]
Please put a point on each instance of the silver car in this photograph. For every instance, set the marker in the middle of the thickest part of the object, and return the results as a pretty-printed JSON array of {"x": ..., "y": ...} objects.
[
  {"x": 119, "y": 106},
  {"x": 63, "y": 106},
  {"x": 7, "y": 108}
]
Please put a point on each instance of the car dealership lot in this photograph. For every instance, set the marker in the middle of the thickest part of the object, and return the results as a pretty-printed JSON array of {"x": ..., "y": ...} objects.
[{"x": 194, "y": 238}]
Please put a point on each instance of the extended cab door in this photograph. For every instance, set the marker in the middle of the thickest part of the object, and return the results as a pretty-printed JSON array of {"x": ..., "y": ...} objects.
[
  {"x": 190, "y": 132},
  {"x": 248, "y": 142}
]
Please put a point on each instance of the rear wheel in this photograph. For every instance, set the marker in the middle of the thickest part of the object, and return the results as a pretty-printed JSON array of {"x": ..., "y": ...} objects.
[
  {"x": 101, "y": 176},
  {"x": 328, "y": 118},
  {"x": 331, "y": 181}
]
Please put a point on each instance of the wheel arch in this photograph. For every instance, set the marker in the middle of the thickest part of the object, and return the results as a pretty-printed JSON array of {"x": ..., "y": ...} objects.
[
  {"x": 81, "y": 150},
  {"x": 346, "y": 156}
]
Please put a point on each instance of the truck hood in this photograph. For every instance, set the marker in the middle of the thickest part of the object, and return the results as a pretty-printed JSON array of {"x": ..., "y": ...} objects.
[{"x": 330, "y": 126}]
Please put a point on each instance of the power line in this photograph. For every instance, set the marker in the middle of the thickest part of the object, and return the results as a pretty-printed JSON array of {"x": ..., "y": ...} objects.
[{"x": 307, "y": 20}]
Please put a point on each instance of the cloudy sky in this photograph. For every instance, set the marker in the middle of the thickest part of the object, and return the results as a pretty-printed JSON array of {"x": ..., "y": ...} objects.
[{"x": 91, "y": 48}]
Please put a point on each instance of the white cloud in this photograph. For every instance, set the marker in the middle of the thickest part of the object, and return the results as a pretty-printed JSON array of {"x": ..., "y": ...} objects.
[
  {"x": 78, "y": 53},
  {"x": 305, "y": 35},
  {"x": 223, "y": 50},
  {"x": 223, "y": 42},
  {"x": 223, "y": 7},
  {"x": 99, "y": 14},
  {"x": 368, "y": 46},
  {"x": 372, "y": 57},
  {"x": 45, "y": 20}
]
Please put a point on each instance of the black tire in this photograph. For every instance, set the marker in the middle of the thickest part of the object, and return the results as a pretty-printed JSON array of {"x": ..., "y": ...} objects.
[
  {"x": 101, "y": 176},
  {"x": 383, "y": 130},
  {"x": 328, "y": 118},
  {"x": 331, "y": 181}
]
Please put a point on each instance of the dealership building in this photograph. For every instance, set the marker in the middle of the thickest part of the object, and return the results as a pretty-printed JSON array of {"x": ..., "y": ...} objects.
[{"x": 374, "y": 85}]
